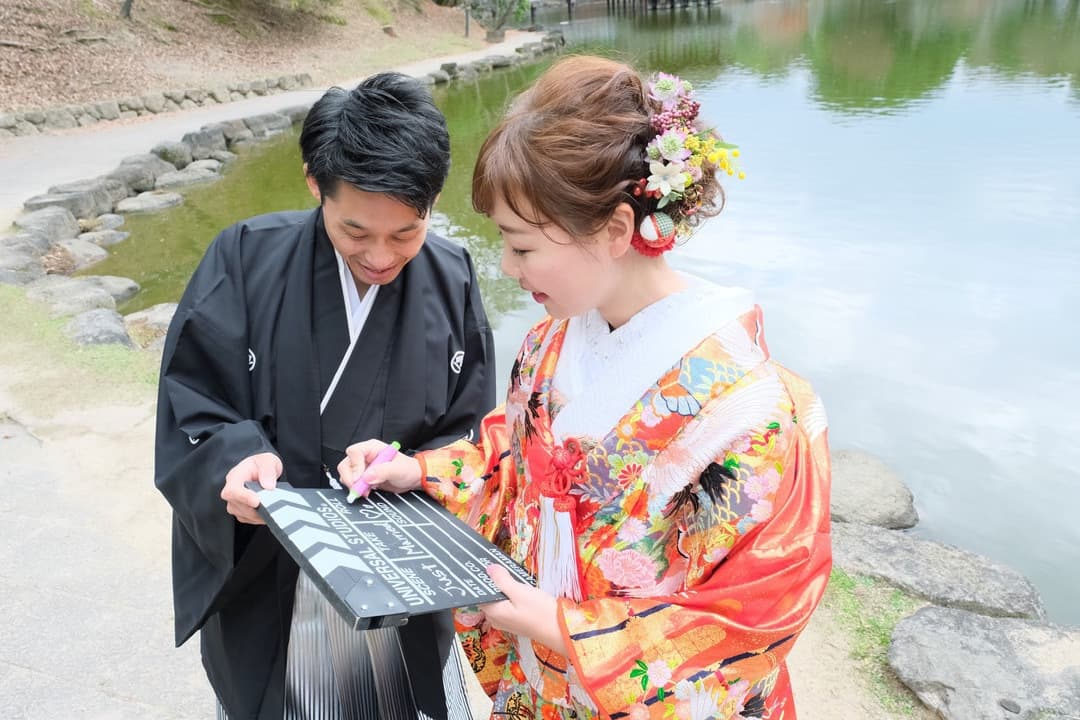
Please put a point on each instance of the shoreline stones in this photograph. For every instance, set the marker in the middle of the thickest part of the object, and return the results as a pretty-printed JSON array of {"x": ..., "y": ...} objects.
[
  {"x": 964, "y": 665},
  {"x": 982, "y": 649},
  {"x": 467, "y": 72},
  {"x": 865, "y": 490},
  {"x": 942, "y": 574},
  {"x": 98, "y": 327},
  {"x": 35, "y": 121},
  {"x": 68, "y": 228}
]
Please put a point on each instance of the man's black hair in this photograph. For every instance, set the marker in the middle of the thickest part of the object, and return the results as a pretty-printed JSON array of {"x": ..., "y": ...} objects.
[{"x": 384, "y": 136}]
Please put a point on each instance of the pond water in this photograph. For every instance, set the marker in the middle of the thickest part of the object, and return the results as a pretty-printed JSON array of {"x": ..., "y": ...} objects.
[{"x": 910, "y": 223}]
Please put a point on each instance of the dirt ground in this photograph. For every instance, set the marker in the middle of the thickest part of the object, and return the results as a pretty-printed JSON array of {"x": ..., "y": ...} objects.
[{"x": 57, "y": 52}]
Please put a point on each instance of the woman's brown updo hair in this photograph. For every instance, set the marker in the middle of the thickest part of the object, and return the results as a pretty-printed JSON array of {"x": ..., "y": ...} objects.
[{"x": 572, "y": 147}]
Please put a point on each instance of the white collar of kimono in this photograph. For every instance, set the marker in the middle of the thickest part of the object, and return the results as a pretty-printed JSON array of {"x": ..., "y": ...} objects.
[
  {"x": 357, "y": 310},
  {"x": 601, "y": 373}
]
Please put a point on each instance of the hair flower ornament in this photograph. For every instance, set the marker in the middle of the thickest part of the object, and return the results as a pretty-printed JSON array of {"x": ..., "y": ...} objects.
[{"x": 683, "y": 160}]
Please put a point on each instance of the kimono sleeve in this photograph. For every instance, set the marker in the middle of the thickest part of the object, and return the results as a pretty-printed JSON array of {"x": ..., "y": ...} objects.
[
  {"x": 205, "y": 427},
  {"x": 475, "y": 481},
  {"x": 753, "y": 530}
]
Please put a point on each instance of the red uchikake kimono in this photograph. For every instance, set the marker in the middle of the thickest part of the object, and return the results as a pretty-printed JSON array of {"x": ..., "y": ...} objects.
[{"x": 702, "y": 529}]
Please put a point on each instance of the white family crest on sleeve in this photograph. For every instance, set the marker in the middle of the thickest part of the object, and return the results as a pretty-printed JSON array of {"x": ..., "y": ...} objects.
[
  {"x": 251, "y": 360},
  {"x": 456, "y": 361}
]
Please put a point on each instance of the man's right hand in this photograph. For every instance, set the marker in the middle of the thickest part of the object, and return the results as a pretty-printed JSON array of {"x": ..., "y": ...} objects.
[{"x": 239, "y": 501}]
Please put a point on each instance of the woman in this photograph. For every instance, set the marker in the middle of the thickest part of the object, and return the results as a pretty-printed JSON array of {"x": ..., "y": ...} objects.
[{"x": 664, "y": 479}]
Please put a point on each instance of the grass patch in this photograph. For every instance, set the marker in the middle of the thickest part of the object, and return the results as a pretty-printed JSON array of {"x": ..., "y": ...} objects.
[
  {"x": 90, "y": 9},
  {"x": 379, "y": 11},
  {"x": 51, "y": 371},
  {"x": 333, "y": 19},
  {"x": 869, "y": 611}
]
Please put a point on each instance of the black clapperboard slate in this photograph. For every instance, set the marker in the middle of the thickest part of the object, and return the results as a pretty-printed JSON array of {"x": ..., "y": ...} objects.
[{"x": 385, "y": 557}]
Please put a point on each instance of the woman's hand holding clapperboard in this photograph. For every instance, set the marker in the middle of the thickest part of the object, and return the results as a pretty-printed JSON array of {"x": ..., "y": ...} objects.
[
  {"x": 356, "y": 470},
  {"x": 360, "y": 487},
  {"x": 526, "y": 611}
]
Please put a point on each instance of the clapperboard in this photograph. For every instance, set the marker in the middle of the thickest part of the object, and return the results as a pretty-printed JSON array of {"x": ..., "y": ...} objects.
[{"x": 385, "y": 557}]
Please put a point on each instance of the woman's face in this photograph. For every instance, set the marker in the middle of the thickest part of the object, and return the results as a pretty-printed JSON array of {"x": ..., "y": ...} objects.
[{"x": 568, "y": 276}]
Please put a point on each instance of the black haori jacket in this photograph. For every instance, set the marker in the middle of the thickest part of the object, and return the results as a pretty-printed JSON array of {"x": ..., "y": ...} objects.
[{"x": 243, "y": 372}]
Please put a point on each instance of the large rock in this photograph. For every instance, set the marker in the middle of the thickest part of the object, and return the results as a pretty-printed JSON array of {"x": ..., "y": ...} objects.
[
  {"x": 33, "y": 242},
  {"x": 54, "y": 223},
  {"x": 267, "y": 124},
  {"x": 942, "y": 574},
  {"x": 19, "y": 265},
  {"x": 235, "y": 131},
  {"x": 864, "y": 490},
  {"x": 98, "y": 327},
  {"x": 191, "y": 175},
  {"x": 152, "y": 201},
  {"x": 140, "y": 172},
  {"x": 60, "y": 119},
  {"x": 970, "y": 667},
  {"x": 132, "y": 103},
  {"x": 147, "y": 326},
  {"x": 204, "y": 142},
  {"x": 156, "y": 164},
  {"x": 139, "y": 178},
  {"x": 24, "y": 128},
  {"x": 104, "y": 238},
  {"x": 98, "y": 196},
  {"x": 84, "y": 253},
  {"x": 154, "y": 102},
  {"x": 175, "y": 153},
  {"x": 109, "y": 110},
  {"x": 69, "y": 296},
  {"x": 78, "y": 204},
  {"x": 122, "y": 289}
]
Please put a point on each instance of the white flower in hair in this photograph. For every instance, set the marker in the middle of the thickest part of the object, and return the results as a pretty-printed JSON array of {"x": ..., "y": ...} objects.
[{"x": 667, "y": 177}]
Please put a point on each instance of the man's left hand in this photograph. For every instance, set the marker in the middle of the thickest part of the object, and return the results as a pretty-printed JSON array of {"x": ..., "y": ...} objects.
[{"x": 527, "y": 611}]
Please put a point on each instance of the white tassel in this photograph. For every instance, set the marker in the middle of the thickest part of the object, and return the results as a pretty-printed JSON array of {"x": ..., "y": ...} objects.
[{"x": 558, "y": 562}]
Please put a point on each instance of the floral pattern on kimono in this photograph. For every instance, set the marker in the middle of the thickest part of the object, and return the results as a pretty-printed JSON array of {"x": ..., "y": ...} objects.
[{"x": 702, "y": 534}]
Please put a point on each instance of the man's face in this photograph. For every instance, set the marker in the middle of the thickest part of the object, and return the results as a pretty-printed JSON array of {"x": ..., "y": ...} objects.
[{"x": 375, "y": 234}]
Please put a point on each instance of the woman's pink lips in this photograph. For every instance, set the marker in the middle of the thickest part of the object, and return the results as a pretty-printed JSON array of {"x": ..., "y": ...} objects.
[{"x": 539, "y": 297}]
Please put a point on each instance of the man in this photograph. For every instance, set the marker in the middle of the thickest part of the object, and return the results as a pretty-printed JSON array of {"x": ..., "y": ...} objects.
[{"x": 300, "y": 333}]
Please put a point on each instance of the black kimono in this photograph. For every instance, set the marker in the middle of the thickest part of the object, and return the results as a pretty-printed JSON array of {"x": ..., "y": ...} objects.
[{"x": 253, "y": 346}]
